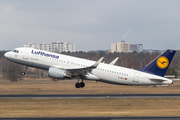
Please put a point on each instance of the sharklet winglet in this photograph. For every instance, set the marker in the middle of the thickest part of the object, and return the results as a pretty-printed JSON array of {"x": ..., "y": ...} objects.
[{"x": 114, "y": 61}]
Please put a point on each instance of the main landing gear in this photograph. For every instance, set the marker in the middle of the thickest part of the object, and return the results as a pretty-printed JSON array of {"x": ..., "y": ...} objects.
[
  {"x": 81, "y": 84},
  {"x": 24, "y": 73}
]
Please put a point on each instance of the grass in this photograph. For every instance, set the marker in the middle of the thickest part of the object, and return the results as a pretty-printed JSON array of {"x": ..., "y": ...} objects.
[
  {"x": 68, "y": 87},
  {"x": 89, "y": 107},
  {"x": 85, "y": 107}
]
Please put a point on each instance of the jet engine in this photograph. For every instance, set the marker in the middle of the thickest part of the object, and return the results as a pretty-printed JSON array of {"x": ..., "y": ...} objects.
[{"x": 57, "y": 73}]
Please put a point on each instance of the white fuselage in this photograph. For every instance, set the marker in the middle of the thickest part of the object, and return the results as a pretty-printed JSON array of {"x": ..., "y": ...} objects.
[{"x": 105, "y": 72}]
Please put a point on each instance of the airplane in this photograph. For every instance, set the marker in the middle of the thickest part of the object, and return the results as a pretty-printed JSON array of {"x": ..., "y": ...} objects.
[{"x": 61, "y": 66}]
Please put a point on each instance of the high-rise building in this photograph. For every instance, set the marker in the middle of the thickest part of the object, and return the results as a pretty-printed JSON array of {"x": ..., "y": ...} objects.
[
  {"x": 57, "y": 46},
  {"x": 113, "y": 47},
  {"x": 125, "y": 47},
  {"x": 120, "y": 47},
  {"x": 136, "y": 47}
]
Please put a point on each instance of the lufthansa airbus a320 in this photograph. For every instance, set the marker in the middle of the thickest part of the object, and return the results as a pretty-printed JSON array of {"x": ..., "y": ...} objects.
[{"x": 62, "y": 66}]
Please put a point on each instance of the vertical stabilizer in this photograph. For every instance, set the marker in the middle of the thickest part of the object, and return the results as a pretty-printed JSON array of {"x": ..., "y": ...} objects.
[{"x": 160, "y": 64}]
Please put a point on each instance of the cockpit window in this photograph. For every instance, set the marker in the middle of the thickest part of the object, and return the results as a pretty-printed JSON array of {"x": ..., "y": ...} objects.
[{"x": 16, "y": 51}]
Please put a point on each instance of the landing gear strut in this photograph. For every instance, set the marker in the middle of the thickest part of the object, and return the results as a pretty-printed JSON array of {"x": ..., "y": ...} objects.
[
  {"x": 81, "y": 84},
  {"x": 24, "y": 73}
]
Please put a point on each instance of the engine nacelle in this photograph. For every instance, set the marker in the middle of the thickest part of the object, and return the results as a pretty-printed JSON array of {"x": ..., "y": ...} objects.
[{"x": 56, "y": 73}]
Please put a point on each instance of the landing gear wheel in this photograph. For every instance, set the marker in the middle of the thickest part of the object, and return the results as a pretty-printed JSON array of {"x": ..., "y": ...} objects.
[
  {"x": 78, "y": 85},
  {"x": 23, "y": 73},
  {"x": 82, "y": 84}
]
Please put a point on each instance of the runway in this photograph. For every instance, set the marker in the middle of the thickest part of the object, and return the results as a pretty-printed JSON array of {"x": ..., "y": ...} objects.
[
  {"x": 96, "y": 118},
  {"x": 93, "y": 96}
]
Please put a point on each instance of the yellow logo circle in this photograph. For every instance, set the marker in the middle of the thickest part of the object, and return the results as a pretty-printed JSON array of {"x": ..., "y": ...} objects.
[{"x": 162, "y": 62}]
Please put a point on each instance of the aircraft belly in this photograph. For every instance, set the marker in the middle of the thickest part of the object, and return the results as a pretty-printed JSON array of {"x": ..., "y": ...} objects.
[{"x": 115, "y": 79}]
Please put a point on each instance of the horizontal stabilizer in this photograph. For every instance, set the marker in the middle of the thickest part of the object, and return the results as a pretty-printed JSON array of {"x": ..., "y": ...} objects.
[{"x": 156, "y": 79}]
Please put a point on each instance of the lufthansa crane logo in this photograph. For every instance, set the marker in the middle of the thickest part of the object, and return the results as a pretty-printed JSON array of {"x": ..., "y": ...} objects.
[{"x": 162, "y": 62}]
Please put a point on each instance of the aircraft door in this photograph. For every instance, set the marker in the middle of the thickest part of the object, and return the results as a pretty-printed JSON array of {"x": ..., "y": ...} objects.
[
  {"x": 26, "y": 54},
  {"x": 68, "y": 64},
  {"x": 136, "y": 77}
]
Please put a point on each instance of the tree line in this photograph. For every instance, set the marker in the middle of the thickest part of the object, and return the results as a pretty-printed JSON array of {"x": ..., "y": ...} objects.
[{"x": 133, "y": 60}]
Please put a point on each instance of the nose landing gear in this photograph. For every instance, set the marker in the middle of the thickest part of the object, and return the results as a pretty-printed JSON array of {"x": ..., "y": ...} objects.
[{"x": 24, "y": 73}]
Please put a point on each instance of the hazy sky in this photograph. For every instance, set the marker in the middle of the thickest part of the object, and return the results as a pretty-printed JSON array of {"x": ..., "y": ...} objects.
[{"x": 90, "y": 24}]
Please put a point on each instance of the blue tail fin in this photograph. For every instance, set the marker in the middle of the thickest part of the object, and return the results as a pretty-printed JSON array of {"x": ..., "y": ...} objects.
[{"x": 160, "y": 64}]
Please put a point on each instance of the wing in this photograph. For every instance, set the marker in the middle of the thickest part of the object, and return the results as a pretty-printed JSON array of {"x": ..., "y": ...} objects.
[{"x": 79, "y": 70}]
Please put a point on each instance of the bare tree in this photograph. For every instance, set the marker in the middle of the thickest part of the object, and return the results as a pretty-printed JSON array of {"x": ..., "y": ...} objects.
[
  {"x": 14, "y": 72},
  {"x": 4, "y": 66}
]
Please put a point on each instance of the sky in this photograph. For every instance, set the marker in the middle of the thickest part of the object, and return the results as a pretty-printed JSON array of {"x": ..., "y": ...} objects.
[{"x": 90, "y": 24}]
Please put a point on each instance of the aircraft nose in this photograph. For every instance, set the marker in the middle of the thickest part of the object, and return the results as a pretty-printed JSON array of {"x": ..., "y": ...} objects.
[{"x": 6, "y": 55}]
